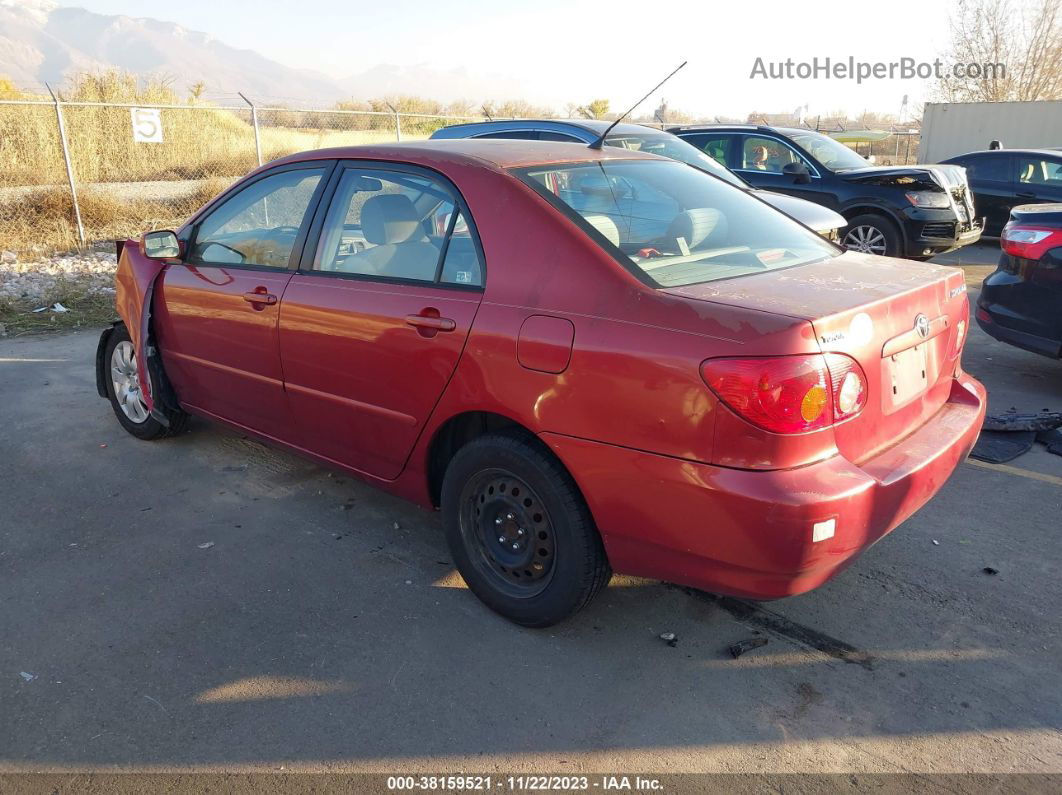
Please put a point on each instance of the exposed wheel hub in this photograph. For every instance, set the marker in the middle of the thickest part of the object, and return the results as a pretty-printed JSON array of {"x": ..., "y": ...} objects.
[{"x": 511, "y": 529}]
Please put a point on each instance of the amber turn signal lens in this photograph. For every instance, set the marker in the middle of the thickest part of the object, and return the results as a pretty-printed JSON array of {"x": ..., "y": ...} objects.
[{"x": 814, "y": 403}]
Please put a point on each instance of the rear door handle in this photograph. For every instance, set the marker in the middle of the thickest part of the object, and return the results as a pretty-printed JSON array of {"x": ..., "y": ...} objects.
[
  {"x": 431, "y": 323},
  {"x": 260, "y": 300},
  {"x": 1025, "y": 195}
]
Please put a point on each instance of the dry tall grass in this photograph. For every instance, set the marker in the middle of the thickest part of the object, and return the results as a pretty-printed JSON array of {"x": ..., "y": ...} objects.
[{"x": 201, "y": 143}]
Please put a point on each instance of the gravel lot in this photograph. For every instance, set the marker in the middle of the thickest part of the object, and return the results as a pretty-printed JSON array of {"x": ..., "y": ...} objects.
[
  {"x": 206, "y": 603},
  {"x": 34, "y": 279}
]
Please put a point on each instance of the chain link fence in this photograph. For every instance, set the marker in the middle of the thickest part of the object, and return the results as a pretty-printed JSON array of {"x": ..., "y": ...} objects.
[
  {"x": 77, "y": 173},
  {"x": 73, "y": 174}
]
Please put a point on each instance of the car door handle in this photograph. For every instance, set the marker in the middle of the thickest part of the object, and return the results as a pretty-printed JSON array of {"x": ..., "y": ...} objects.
[
  {"x": 1025, "y": 195},
  {"x": 261, "y": 299},
  {"x": 431, "y": 323}
]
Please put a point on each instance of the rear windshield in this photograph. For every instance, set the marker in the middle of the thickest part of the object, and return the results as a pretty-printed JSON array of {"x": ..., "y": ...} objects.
[{"x": 673, "y": 225}]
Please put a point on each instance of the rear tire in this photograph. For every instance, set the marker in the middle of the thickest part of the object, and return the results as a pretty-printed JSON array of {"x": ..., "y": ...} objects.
[
  {"x": 123, "y": 391},
  {"x": 520, "y": 532},
  {"x": 871, "y": 233}
]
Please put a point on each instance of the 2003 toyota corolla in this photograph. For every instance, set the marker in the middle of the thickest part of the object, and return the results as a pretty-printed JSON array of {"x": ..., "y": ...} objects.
[{"x": 589, "y": 360}]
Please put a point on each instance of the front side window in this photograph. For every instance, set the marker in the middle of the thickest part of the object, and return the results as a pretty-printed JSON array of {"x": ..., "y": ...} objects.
[
  {"x": 397, "y": 225},
  {"x": 766, "y": 154},
  {"x": 259, "y": 224},
  {"x": 673, "y": 225},
  {"x": 1038, "y": 171}
]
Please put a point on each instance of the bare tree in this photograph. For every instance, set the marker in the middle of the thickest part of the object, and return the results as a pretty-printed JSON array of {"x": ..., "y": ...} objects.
[{"x": 1026, "y": 39}]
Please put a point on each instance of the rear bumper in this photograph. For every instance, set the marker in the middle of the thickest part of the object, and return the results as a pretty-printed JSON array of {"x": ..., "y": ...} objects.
[
  {"x": 1005, "y": 312},
  {"x": 750, "y": 534}
]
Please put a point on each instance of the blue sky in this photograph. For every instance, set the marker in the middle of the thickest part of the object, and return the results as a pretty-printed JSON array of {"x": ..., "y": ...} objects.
[{"x": 557, "y": 52}]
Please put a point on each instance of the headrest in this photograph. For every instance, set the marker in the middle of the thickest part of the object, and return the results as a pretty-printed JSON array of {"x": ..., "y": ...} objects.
[
  {"x": 390, "y": 218},
  {"x": 695, "y": 225},
  {"x": 606, "y": 226}
]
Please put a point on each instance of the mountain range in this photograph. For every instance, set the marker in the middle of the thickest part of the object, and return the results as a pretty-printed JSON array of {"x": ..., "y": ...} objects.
[{"x": 42, "y": 41}]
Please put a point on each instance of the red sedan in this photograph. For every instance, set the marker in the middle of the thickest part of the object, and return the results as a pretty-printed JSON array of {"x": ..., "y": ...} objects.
[{"x": 588, "y": 360}]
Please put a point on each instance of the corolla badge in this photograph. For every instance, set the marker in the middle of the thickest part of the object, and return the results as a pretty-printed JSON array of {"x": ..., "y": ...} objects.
[{"x": 922, "y": 326}]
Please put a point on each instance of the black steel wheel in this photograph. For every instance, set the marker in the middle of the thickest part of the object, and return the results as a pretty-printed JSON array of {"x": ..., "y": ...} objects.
[
  {"x": 520, "y": 531},
  {"x": 508, "y": 527}
]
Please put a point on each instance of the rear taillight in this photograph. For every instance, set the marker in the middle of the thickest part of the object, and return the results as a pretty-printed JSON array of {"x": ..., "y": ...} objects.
[
  {"x": 1029, "y": 242},
  {"x": 789, "y": 394}
]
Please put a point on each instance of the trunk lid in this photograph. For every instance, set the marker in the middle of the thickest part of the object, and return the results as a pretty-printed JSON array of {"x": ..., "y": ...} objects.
[{"x": 875, "y": 310}]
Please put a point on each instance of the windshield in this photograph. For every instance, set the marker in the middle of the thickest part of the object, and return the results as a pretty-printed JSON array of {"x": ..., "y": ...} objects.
[
  {"x": 832, "y": 154},
  {"x": 672, "y": 225},
  {"x": 675, "y": 148}
]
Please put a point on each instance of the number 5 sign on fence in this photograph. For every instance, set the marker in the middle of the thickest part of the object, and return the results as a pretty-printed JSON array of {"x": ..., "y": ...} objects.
[{"x": 147, "y": 125}]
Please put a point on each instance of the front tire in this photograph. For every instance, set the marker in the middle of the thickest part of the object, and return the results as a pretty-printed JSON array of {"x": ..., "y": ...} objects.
[
  {"x": 520, "y": 532},
  {"x": 123, "y": 391},
  {"x": 871, "y": 233}
]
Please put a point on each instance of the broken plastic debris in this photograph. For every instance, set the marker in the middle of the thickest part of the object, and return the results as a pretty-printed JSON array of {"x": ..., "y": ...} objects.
[
  {"x": 670, "y": 638},
  {"x": 743, "y": 646},
  {"x": 1013, "y": 421},
  {"x": 26, "y": 676},
  {"x": 990, "y": 570},
  {"x": 1051, "y": 439},
  {"x": 207, "y": 545},
  {"x": 999, "y": 447},
  {"x": 396, "y": 526},
  {"x": 57, "y": 307},
  {"x": 936, "y": 543},
  {"x": 40, "y": 309}
]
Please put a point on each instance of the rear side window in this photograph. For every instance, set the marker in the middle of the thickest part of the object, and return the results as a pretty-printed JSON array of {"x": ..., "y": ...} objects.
[
  {"x": 715, "y": 146},
  {"x": 397, "y": 225},
  {"x": 989, "y": 169},
  {"x": 673, "y": 225},
  {"x": 549, "y": 135},
  {"x": 259, "y": 224},
  {"x": 519, "y": 135}
]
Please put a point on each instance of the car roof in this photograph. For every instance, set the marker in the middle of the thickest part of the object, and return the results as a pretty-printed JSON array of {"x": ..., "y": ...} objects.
[
  {"x": 1001, "y": 152},
  {"x": 594, "y": 126},
  {"x": 742, "y": 128},
  {"x": 500, "y": 153}
]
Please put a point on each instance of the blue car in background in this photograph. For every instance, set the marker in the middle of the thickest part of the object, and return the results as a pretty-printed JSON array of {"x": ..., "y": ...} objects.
[{"x": 636, "y": 136}]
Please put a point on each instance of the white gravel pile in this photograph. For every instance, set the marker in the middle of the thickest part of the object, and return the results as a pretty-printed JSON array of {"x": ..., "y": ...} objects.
[{"x": 39, "y": 278}]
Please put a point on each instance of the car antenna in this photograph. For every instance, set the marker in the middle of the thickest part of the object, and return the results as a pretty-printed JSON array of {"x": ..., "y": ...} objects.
[{"x": 601, "y": 140}]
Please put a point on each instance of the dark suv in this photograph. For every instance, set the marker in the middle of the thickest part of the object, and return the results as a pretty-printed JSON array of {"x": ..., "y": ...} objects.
[{"x": 899, "y": 211}]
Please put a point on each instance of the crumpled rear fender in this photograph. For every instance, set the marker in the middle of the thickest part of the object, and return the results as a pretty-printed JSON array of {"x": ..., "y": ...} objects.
[{"x": 134, "y": 286}]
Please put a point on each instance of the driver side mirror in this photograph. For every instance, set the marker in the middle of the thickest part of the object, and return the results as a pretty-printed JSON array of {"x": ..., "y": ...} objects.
[
  {"x": 798, "y": 171},
  {"x": 160, "y": 245}
]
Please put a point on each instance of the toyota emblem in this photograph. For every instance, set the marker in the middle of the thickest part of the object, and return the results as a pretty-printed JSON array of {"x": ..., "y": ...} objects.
[{"x": 922, "y": 326}]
